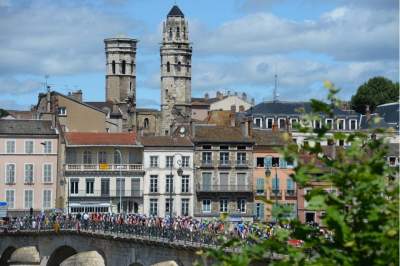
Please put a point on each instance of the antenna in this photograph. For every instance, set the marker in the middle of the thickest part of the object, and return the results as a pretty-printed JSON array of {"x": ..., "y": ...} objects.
[
  {"x": 47, "y": 86},
  {"x": 275, "y": 96}
]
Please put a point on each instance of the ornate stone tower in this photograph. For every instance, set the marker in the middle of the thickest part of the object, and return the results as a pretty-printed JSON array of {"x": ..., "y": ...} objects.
[
  {"x": 121, "y": 69},
  {"x": 176, "y": 54},
  {"x": 121, "y": 78}
]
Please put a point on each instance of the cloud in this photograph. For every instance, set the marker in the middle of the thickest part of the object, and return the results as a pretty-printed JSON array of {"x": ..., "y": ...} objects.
[
  {"x": 13, "y": 86},
  {"x": 10, "y": 104},
  {"x": 45, "y": 37},
  {"x": 345, "y": 33}
]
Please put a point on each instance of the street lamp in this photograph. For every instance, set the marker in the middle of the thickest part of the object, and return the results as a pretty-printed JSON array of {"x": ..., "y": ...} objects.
[{"x": 120, "y": 179}]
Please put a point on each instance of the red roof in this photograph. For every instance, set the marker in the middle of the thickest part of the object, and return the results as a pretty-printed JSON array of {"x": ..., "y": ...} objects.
[{"x": 89, "y": 138}]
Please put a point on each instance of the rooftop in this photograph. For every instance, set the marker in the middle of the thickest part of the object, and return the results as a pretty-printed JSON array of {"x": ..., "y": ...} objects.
[
  {"x": 175, "y": 12},
  {"x": 268, "y": 138},
  {"x": 26, "y": 127},
  {"x": 165, "y": 141},
  {"x": 220, "y": 134},
  {"x": 100, "y": 139}
]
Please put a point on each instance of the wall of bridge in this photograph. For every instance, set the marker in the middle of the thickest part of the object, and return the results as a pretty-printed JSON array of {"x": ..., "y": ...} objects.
[{"x": 116, "y": 251}]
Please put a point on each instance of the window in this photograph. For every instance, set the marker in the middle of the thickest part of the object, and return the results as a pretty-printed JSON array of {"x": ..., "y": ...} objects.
[
  {"x": 340, "y": 124},
  {"x": 185, "y": 184},
  {"x": 71, "y": 156},
  {"x": 89, "y": 186},
  {"x": 10, "y": 174},
  {"x": 105, "y": 187},
  {"x": 206, "y": 147},
  {"x": 123, "y": 67},
  {"x": 282, "y": 123},
  {"x": 310, "y": 217},
  {"x": 269, "y": 122},
  {"x": 206, "y": 178},
  {"x": 178, "y": 67},
  {"x": 224, "y": 158},
  {"x": 168, "y": 67},
  {"x": 260, "y": 185},
  {"x": 353, "y": 124},
  {"x": 206, "y": 158},
  {"x": 329, "y": 123},
  {"x": 28, "y": 199},
  {"x": 146, "y": 123},
  {"x": 178, "y": 34},
  {"x": 153, "y": 207},
  {"x": 10, "y": 198},
  {"x": 259, "y": 210},
  {"x": 113, "y": 67},
  {"x": 241, "y": 205},
  {"x": 260, "y": 161},
  {"x": 135, "y": 187},
  {"x": 120, "y": 187},
  {"x": 153, "y": 183},
  {"x": 170, "y": 33},
  {"x": 10, "y": 146},
  {"x": 341, "y": 142},
  {"x": 289, "y": 186},
  {"x": 153, "y": 161},
  {"x": 258, "y": 122},
  {"x": 117, "y": 157},
  {"x": 268, "y": 162},
  {"x": 169, "y": 183},
  {"x": 62, "y": 111},
  {"x": 317, "y": 124},
  {"x": 132, "y": 67},
  {"x": 241, "y": 180},
  {"x": 74, "y": 187},
  {"x": 169, "y": 161},
  {"x": 169, "y": 203},
  {"x": 87, "y": 157},
  {"x": 47, "y": 173},
  {"x": 224, "y": 181},
  {"x": 241, "y": 158},
  {"x": 185, "y": 207},
  {"x": 185, "y": 161},
  {"x": 275, "y": 161},
  {"x": 102, "y": 157},
  {"x": 46, "y": 199},
  {"x": 275, "y": 185},
  {"x": 293, "y": 122},
  {"x": 47, "y": 146},
  {"x": 132, "y": 159},
  {"x": 29, "y": 146},
  {"x": 392, "y": 161},
  {"x": 28, "y": 177},
  {"x": 206, "y": 205},
  {"x": 223, "y": 205}
]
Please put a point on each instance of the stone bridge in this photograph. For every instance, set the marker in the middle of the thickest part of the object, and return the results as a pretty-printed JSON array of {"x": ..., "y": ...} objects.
[{"x": 69, "y": 247}]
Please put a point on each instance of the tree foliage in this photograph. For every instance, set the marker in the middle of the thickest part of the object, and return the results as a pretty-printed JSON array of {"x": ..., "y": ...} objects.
[
  {"x": 362, "y": 217},
  {"x": 3, "y": 113},
  {"x": 375, "y": 91}
]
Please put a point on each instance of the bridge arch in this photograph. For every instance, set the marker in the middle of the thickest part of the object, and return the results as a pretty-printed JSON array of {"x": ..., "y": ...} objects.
[
  {"x": 60, "y": 254},
  {"x": 6, "y": 255}
]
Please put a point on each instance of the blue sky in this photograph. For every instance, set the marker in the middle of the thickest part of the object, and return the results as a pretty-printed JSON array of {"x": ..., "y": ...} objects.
[{"x": 238, "y": 45}]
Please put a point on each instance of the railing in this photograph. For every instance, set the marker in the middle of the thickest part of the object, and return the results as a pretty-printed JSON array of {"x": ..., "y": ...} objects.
[
  {"x": 276, "y": 193},
  {"x": 103, "y": 167},
  {"x": 242, "y": 163},
  {"x": 290, "y": 193},
  {"x": 224, "y": 188},
  {"x": 105, "y": 193},
  {"x": 224, "y": 163},
  {"x": 206, "y": 163}
]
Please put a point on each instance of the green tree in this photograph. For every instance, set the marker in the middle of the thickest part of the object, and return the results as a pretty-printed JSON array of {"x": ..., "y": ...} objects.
[
  {"x": 362, "y": 218},
  {"x": 375, "y": 91},
  {"x": 3, "y": 113}
]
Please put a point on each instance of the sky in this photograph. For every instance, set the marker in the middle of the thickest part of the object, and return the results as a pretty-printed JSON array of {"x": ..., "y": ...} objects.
[{"x": 238, "y": 45}]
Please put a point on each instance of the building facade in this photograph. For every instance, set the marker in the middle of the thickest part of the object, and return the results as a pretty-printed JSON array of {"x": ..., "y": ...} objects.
[
  {"x": 176, "y": 72},
  {"x": 104, "y": 172},
  {"x": 28, "y": 165},
  {"x": 168, "y": 182},
  {"x": 223, "y": 173}
]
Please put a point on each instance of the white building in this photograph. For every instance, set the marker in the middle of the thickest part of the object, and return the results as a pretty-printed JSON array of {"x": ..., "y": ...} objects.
[
  {"x": 168, "y": 164},
  {"x": 103, "y": 171}
]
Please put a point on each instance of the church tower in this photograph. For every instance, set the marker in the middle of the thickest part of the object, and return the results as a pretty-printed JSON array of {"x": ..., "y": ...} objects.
[
  {"x": 121, "y": 69},
  {"x": 176, "y": 55}
]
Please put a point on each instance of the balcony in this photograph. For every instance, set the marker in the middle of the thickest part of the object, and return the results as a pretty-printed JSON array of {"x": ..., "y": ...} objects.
[
  {"x": 290, "y": 193},
  {"x": 103, "y": 167},
  {"x": 223, "y": 188},
  {"x": 242, "y": 163},
  {"x": 224, "y": 163},
  {"x": 206, "y": 163},
  {"x": 107, "y": 194},
  {"x": 276, "y": 194}
]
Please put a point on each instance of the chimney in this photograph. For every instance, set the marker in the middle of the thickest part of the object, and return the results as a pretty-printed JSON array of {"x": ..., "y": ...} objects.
[
  {"x": 245, "y": 129},
  {"x": 77, "y": 95},
  {"x": 232, "y": 116},
  {"x": 115, "y": 108},
  {"x": 244, "y": 96},
  {"x": 219, "y": 95},
  {"x": 241, "y": 108},
  {"x": 193, "y": 129},
  {"x": 253, "y": 101},
  {"x": 249, "y": 125},
  {"x": 206, "y": 96},
  {"x": 236, "y": 94}
]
